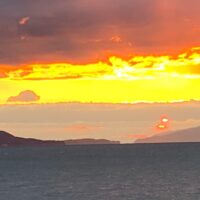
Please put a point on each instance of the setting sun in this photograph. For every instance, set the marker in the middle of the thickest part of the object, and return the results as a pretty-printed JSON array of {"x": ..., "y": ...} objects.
[
  {"x": 162, "y": 126},
  {"x": 165, "y": 120},
  {"x": 87, "y": 90}
]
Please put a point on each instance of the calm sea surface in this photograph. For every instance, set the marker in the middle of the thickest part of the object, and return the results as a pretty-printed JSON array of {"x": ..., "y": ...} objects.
[{"x": 101, "y": 172}]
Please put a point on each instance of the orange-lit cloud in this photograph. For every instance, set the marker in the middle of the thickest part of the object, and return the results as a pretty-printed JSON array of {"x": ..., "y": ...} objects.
[
  {"x": 137, "y": 79},
  {"x": 131, "y": 54},
  {"x": 116, "y": 39},
  {"x": 70, "y": 31},
  {"x": 24, "y": 20},
  {"x": 185, "y": 65}
]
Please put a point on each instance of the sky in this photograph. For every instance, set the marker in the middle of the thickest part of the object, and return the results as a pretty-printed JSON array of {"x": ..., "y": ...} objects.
[
  {"x": 89, "y": 54},
  {"x": 122, "y": 122}
]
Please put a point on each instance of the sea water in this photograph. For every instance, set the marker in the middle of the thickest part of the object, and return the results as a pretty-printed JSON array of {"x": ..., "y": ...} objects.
[{"x": 101, "y": 172}]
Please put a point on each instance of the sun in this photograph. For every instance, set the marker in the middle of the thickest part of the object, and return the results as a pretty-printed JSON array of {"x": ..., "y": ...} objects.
[
  {"x": 161, "y": 126},
  {"x": 164, "y": 120},
  {"x": 163, "y": 123}
]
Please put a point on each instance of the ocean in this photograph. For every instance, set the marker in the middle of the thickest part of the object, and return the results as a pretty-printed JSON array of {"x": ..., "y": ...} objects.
[{"x": 101, "y": 172}]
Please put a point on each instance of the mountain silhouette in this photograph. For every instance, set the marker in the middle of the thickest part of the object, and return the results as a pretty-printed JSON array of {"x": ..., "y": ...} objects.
[
  {"x": 185, "y": 135},
  {"x": 7, "y": 139}
]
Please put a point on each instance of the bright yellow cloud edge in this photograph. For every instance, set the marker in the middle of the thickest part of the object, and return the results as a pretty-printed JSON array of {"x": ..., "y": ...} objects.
[{"x": 138, "y": 79}]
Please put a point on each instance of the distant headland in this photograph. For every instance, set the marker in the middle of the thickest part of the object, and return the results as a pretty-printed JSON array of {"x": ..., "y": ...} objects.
[{"x": 7, "y": 139}]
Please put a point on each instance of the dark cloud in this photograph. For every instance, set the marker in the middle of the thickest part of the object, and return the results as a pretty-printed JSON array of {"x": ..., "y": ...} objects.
[{"x": 69, "y": 30}]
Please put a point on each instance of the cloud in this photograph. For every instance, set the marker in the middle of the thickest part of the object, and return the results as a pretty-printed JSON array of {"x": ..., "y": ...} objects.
[
  {"x": 24, "y": 20},
  {"x": 24, "y": 96},
  {"x": 82, "y": 128},
  {"x": 68, "y": 30},
  {"x": 184, "y": 65}
]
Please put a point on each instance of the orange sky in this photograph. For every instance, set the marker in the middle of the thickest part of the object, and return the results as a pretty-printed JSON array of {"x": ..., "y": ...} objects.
[
  {"x": 137, "y": 79},
  {"x": 109, "y": 51},
  {"x": 84, "y": 31},
  {"x": 124, "y": 122}
]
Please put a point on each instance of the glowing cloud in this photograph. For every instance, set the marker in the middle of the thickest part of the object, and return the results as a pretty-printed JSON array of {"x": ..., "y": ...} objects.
[
  {"x": 137, "y": 79},
  {"x": 116, "y": 39},
  {"x": 24, "y": 20},
  {"x": 185, "y": 65}
]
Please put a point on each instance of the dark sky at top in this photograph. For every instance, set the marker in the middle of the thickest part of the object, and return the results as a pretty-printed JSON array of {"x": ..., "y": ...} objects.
[{"x": 86, "y": 30}]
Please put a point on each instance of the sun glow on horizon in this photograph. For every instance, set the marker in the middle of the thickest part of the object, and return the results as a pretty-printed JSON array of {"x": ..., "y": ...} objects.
[{"x": 164, "y": 124}]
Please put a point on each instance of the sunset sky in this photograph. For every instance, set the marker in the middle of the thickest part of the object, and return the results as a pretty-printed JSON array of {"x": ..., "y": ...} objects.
[{"x": 86, "y": 61}]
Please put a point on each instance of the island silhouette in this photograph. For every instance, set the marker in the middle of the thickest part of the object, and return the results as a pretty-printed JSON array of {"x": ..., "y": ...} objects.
[
  {"x": 177, "y": 136},
  {"x": 7, "y": 139}
]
